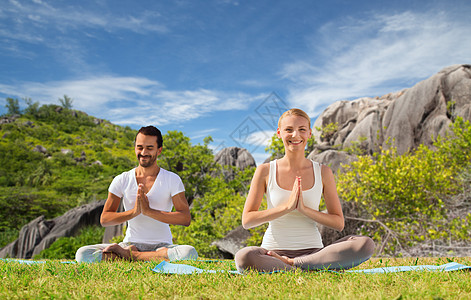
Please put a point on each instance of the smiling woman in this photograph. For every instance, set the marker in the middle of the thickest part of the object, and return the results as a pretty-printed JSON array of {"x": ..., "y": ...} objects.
[{"x": 293, "y": 186}]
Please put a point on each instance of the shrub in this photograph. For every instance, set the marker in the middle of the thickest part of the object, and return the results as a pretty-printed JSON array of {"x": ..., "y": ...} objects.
[{"x": 410, "y": 194}]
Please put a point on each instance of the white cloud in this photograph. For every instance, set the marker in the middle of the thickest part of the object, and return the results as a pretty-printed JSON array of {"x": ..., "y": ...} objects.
[
  {"x": 376, "y": 55},
  {"x": 32, "y": 21},
  {"x": 258, "y": 138},
  {"x": 202, "y": 133},
  {"x": 132, "y": 100}
]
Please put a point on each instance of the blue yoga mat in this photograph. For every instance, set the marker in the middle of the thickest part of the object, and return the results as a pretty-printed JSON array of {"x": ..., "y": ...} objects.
[
  {"x": 172, "y": 268},
  {"x": 31, "y": 262},
  {"x": 452, "y": 266}
]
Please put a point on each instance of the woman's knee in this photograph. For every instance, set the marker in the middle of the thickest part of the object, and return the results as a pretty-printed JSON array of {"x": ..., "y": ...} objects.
[
  {"x": 364, "y": 245},
  {"x": 247, "y": 257}
]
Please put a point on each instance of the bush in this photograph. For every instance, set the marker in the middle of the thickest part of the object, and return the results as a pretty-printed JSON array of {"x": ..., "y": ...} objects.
[{"x": 410, "y": 195}]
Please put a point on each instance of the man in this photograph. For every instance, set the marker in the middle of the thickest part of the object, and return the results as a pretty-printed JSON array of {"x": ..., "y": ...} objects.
[{"x": 148, "y": 193}]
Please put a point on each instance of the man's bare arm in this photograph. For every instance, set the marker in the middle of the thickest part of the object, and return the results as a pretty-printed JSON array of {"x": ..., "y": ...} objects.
[
  {"x": 110, "y": 215},
  {"x": 181, "y": 215}
]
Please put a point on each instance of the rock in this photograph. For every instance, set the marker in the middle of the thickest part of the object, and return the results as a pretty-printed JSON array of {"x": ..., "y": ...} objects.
[
  {"x": 9, "y": 119},
  {"x": 332, "y": 158},
  {"x": 232, "y": 242},
  {"x": 28, "y": 124},
  {"x": 67, "y": 151},
  {"x": 404, "y": 119},
  {"x": 421, "y": 114},
  {"x": 4, "y": 120},
  {"x": 236, "y": 157},
  {"x": 97, "y": 121},
  {"x": 39, "y": 234},
  {"x": 97, "y": 162},
  {"x": 40, "y": 149},
  {"x": 82, "y": 158}
]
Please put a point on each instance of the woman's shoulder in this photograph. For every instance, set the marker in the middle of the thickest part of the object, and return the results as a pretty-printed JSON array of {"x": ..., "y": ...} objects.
[
  {"x": 323, "y": 167},
  {"x": 263, "y": 168},
  {"x": 326, "y": 172}
]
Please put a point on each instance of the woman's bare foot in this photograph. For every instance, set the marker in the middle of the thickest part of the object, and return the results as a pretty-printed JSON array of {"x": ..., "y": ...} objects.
[{"x": 284, "y": 259}]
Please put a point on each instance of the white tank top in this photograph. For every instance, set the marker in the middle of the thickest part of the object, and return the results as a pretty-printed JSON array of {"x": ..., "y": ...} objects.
[{"x": 294, "y": 230}]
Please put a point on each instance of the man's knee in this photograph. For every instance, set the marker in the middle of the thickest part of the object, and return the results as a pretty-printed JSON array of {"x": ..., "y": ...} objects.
[
  {"x": 89, "y": 254},
  {"x": 182, "y": 252}
]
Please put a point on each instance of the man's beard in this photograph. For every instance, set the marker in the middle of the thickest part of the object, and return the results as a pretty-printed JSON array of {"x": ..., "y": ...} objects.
[{"x": 150, "y": 160}]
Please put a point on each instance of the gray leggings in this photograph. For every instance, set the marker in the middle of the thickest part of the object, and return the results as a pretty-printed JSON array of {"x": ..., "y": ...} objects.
[{"x": 346, "y": 253}]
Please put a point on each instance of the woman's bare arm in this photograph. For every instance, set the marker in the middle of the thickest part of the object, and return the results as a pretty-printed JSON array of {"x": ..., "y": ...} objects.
[
  {"x": 334, "y": 216},
  {"x": 251, "y": 216}
]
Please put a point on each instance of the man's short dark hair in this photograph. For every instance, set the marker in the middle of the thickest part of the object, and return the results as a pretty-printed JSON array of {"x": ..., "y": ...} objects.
[{"x": 152, "y": 131}]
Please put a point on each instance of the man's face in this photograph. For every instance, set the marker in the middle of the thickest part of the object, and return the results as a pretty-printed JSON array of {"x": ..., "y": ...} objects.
[{"x": 146, "y": 150}]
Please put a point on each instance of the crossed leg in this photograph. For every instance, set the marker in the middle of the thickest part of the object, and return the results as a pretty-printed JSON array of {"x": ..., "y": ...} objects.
[
  {"x": 345, "y": 253},
  {"x": 131, "y": 253}
]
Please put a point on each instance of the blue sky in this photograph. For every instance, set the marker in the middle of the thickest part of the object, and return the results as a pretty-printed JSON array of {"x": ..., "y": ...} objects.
[{"x": 222, "y": 68}]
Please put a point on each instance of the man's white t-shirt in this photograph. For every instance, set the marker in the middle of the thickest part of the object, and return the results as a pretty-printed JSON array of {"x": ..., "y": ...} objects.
[{"x": 143, "y": 229}]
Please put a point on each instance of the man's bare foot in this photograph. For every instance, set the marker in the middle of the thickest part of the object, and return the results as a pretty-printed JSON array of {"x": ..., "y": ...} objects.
[
  {"x": 284, "y": 259},
  {"x": 115, "y": 251},
  {"x": 131, "y": 248}
]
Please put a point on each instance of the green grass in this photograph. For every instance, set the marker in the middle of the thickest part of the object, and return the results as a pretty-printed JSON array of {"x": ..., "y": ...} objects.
[{"x": 124, "y": 280}]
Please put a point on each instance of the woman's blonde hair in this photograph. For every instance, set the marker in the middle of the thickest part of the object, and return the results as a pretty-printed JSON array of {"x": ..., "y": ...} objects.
[{"x": 295, "y": 112}]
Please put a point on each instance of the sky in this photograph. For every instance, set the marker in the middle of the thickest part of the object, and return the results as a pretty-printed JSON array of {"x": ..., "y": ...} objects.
[{"x": 222, "y": 68}]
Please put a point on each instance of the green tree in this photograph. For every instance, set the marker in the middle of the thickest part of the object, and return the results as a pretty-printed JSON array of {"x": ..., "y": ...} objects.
[
  {"x": 66, "y": 102},
  {"x": 13, "y": 106},
  {"x": 32, "y": 108}
]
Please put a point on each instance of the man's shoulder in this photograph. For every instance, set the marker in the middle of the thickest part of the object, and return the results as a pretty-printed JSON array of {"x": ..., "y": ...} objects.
[
  {"x": 126, "y": 174},
  {"x": 167, "y": 173}
]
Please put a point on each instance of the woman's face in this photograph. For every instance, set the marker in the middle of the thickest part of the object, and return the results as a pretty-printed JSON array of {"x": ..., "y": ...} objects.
[{"x": 294, "y": 131}]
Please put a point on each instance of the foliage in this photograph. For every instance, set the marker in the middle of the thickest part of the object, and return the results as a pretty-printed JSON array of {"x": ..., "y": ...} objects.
[
  {"x": 31, "y": 107},
  {"x": 125, "y": 280},
  {"x": 65, "y": 247},
  {"x": 410, "y": 193},
  {"x": 66, "y": 102},
  {"x": 355, "y": 147},
  {"x": 328, "y": 131},
  {"x": 13, "y": 106},
  {"x": 193, "y": 163}
]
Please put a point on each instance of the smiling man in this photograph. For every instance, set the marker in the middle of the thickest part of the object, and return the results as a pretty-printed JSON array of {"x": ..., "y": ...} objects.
[{"x": 148, "y": 193}]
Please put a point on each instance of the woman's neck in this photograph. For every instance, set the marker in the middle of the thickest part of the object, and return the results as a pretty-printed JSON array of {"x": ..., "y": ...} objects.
[{"x": 294, "y": 160}]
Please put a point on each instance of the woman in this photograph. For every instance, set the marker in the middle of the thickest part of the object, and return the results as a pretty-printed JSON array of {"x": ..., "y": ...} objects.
[{"x": 293, "y": 186}]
